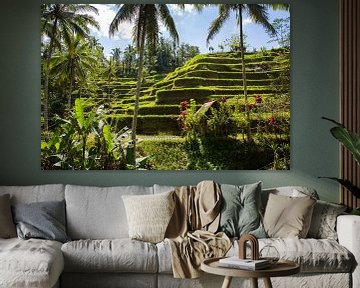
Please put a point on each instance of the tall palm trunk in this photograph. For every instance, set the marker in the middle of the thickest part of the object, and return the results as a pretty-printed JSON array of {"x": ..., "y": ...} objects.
[
  {"x": 138, "y": 87},
  {"x": 71, "y": 84},
  {"x": 46, "y": 81},
  {"x": 248, "y": 127}
]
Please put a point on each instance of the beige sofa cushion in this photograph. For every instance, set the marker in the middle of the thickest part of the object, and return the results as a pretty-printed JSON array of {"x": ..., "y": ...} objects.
[
  {"x": 98, "y": 212},
  {"x": 149, "y": 215},
  {"x": 291, "y": 191},
  {"x": 287, "y": 216},
  {"x": 117, "y": 255},
  {"x": 30, "y": 263}
]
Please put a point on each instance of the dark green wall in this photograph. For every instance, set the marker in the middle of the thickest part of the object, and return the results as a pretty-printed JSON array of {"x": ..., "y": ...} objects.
[{"x": 314, "y": 83}]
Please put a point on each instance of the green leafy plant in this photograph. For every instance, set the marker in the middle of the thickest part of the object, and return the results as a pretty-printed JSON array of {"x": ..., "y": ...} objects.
[
  {"x": 87, "y": 141},
  {"x": 351, "y": 141}
]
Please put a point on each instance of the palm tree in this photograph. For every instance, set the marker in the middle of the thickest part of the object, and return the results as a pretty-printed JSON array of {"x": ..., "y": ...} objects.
[
  {"x": 128, "y": 60},
  {"x": 116, "y": 54},
  {"x": 146, "y": 31},
  {"x": 59, "y": 22},
  {"x": 258, "y": 13},
  {"x": 73, "y": 64},
  {"x": 110, "y": 71}
]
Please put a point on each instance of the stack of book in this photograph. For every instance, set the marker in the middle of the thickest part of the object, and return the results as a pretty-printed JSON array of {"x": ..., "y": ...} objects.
[{"x": 248, "y": 264}]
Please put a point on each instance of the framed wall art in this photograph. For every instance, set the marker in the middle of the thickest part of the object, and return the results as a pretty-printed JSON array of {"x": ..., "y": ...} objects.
[{"x": 165, "y": 86}]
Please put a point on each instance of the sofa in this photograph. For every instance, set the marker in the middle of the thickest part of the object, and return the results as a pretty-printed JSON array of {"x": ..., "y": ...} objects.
[{"x": 100, "y": 253}]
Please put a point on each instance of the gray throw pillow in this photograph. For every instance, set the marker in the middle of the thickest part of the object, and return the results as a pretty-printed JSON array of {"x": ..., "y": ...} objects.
[
  {"x": 7, "y": 226},
  {"x": 323, "y": 222},
  {"x": 44, "y": 220},
  {"x": 240, "y": 213}
]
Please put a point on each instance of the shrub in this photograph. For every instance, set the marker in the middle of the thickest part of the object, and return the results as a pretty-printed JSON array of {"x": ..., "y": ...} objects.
[
  {"x": 168, "y": 154},
  {"x": 149, "y": 124}
]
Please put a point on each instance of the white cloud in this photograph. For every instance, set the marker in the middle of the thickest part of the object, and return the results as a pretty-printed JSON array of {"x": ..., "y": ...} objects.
[
  {"x": 189, "y": 9},
  {"x": 247, "y": 21},
  {"x": 107, "y": 13}
]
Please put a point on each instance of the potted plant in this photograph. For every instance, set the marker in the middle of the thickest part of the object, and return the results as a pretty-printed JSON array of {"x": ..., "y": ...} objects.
[{"x": 351, "y": 141}]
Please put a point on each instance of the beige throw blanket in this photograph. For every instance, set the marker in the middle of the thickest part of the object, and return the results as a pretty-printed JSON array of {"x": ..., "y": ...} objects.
[{"x": 191, "y": 231}]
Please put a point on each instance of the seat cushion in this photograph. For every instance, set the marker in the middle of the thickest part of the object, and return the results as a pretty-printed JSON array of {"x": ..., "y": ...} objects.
[
  {"x": 313, "y": 255},
  {"x": 98, "y": 213},
  {"x": 30, "y": 263},
  {"x": 117, "y": 255}
]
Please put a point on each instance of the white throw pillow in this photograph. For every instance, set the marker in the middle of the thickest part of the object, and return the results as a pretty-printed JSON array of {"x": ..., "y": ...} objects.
[{"x": 149, "y": 215}]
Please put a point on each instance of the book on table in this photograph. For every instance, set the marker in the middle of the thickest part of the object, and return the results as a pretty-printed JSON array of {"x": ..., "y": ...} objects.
[{"x": 249, "y": 264}]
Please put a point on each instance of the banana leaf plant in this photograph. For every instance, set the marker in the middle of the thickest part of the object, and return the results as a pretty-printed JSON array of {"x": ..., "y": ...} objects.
[{"x": 351, "y": 141}]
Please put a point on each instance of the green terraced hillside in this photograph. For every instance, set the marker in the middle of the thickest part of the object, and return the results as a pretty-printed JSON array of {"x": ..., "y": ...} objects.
[{"x": 203, "y": 78}]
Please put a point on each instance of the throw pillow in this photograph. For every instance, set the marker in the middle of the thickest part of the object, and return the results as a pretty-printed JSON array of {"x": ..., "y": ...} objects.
[
  {"x": 43, "y": 220},
  {"x": 288, "y": 217},
  {"x": 7, "y": 226},
  {"x": 149, "y": 215},
  {"x": 240, "y": 213},
  {"x": 323, "y": 222}
]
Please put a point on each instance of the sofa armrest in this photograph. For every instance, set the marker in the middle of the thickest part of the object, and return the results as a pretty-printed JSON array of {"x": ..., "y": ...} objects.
[{"x": 348, "y": 230}]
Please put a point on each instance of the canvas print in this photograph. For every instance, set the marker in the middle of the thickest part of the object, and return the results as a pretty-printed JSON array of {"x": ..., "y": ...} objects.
[{"x": 165, "y": 86}]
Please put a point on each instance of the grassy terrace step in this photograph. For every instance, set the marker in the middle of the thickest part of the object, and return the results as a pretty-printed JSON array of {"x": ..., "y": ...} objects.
[
  {"x": 232, "y": 60},
  {"x": 148, "y": 110},
  {"x": 120, "y": 91},
  {"x": 142, "y": 99},
  {"x": 224, "y": 67},
  {"x": 159, "y": 124},
  {"x": 206, "y": 73},
  {"x": 198, "y": 81},
  {"x": 149, "y": 124},
  {"x": 203, "y": 94},
  {"x": 202, "y": 81}
]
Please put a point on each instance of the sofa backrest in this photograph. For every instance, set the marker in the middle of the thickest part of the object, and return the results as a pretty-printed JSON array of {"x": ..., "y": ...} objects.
[
  {"x": 35, "y": 193},
  {"x": 98, "y": 212}
]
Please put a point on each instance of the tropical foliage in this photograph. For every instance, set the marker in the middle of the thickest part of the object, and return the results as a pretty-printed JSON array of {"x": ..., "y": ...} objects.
[
  {"x": 234, "y": 104},
  {"x": 351, "y": 142},
  {"x": 59, "y": 22}
]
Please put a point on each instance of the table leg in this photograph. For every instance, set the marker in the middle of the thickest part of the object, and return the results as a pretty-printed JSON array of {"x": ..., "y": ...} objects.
[
  {"x": 227, "y": 282},
  {"x": 267, "y": 283},
  {"x": 254, "y": 282}
]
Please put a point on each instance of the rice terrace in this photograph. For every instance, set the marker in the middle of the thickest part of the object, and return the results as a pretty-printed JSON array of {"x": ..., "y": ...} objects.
[{"x": 165, "y": 86}]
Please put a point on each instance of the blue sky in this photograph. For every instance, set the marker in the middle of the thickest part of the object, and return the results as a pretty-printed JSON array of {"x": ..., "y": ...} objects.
[{"x": 192, "y": 27}]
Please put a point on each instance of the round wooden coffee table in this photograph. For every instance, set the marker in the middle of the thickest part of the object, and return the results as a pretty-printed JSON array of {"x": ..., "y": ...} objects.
[{"x": 281, "y": 268}]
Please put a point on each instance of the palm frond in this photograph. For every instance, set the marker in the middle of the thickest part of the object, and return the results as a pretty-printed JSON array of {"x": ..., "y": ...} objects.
[
  {"x": 200, "y": 7},
  {"x": 168, "y": 21},
  {"x": 279, "y": 6},
  {"x": 81, "y": 8},
  {"x": 151, "y": 26},
  {"x": 67, "y": 33},
  {"x": 215, "y": 26},
  {"x": 258, "y": 13},
  {"x": 139, "y": 25},
  {"x": 126, "y": 13}
]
